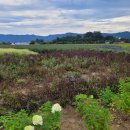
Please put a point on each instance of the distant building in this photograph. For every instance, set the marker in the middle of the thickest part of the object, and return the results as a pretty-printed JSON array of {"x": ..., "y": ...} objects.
[
  {"x": 22, "y": 43},
  {"x": 13, "y": 44}
]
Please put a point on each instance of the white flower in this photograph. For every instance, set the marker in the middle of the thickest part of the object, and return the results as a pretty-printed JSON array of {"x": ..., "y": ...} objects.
[
  {"x": 56, "y": 108},
  {"x": 29, "y": 127},
  {"x": 37, "y": 120},
  {"x": 91, "y": 96}
]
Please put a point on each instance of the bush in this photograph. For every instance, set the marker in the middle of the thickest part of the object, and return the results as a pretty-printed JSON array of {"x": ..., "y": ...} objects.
[
  {"x": 18, "y": 121},
  {"x": 121, "y": 101},
  {"x": 96, "y": 117},
  {"x": 49, "y": 63},
  {"x": 13, "y": 121},
  {"x": 106, "y": 96},
  {"x": 51, "y": 121},
  {"x": 124, "y": 86}
]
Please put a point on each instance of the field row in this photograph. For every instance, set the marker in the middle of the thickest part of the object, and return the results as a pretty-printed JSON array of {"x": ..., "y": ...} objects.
[{"x": 124, "y": 48}]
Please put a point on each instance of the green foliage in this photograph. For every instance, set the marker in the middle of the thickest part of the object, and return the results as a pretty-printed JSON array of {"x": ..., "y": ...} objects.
[
  {"x": 51, "y": 121},
  {"x": 106, "y": 96},
  {"x": 13, "y": 121},
  {"x": 37, "y": 41},
  {"x": 49, "y": 63},
  {"x": 80, "y": 98},
  {"x": 124, "y": 86},
  {"x": 46, "y": 107},
  {"x": 18, "y": 121},
  {"x": 96, "y": 117},
  {"x": 16, "y": 51},
  {"x": 68, "y": 47},
  {"x": 73, "y": 73},
  {"x": 121, "y": 101},
  {"x": 89, "y": 37}
]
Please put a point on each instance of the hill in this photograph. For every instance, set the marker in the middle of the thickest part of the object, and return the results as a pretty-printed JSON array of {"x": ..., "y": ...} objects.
[{"x": 28, "y": 38}]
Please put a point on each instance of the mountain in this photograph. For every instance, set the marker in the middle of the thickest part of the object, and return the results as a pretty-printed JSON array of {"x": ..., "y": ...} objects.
[
  {"x": 125, "y": 34},
  {"x": 28, "y": 38}
]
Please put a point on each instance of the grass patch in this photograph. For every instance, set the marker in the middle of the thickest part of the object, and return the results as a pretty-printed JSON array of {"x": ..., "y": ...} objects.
[{"x": 16, "y": 51}]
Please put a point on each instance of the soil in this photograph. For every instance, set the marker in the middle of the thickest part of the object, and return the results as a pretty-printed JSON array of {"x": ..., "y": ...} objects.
[
  {"x": 71, "y": 120},
  {"x": 120, "y": 122}
]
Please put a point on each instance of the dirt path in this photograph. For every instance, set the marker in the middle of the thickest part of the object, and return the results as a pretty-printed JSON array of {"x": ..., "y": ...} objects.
[
  {"x": 121, "y": 124},
  {"x": 71, "y": 120}
]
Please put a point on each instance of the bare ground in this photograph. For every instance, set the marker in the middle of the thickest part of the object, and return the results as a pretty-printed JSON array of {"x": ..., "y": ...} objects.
[
  {"x": 71, "y": 120},
  {"x": 120, "y": 122}
]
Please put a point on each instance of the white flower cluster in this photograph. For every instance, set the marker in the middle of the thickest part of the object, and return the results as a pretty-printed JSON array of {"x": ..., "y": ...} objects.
[
  {"x": 29, "y": 127},
  {"x": 37, "y": 120},
  {"x": 56, "y": 108}
]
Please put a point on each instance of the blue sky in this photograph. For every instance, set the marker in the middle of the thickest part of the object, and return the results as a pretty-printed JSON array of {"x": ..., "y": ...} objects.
[{"x": 45, "y": 17}]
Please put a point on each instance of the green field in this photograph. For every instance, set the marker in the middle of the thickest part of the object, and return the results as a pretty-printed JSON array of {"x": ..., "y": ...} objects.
[{"x": 63, "y": 47}]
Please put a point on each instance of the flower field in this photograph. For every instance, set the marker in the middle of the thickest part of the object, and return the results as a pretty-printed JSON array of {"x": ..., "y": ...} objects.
[{"x": 35, "y": 90}]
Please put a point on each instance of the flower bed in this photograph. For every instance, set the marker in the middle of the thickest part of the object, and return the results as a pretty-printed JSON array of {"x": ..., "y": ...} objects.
[{"x": 46, "y": 118}]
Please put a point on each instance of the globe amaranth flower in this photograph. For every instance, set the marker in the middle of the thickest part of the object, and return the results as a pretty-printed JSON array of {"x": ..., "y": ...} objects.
[
  {"x": 37, "y": 120},
  {"x": 56, "y": 108},
  {"x": 29, "y": 127}
]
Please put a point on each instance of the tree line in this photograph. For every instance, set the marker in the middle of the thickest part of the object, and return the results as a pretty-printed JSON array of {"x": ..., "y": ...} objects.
[{"x": 87, "y": 38}]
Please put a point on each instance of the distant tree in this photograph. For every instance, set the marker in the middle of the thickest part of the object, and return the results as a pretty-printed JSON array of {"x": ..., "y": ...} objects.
[
  {"x": 98, "y": 37},
  {"x": 125, "y": 40},
  {"x": 110, "y": 39},
  {"x": 88, "y": 35},
  {"x": 5, "y": 43},
  {"x": 32, "y": 42},
  {"x": 37, "y": 41}
]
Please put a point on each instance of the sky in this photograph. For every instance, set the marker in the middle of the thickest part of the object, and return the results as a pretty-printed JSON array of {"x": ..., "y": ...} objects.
[{"x": 44, "y": 17}]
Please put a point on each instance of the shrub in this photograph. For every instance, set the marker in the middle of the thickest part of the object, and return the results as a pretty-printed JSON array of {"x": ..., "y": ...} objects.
[
  {"x": 124, "y": 85},
  {"x": 106, "y": 96},
  {"x": 49, "y": 63},
  {"x": 96, "y": 117},
  {"x": 13, "y": 121},
  {"x": 121, "y": 101},
  {"x": 44, "y": 119},
  {"x": 51, "y": 121}
]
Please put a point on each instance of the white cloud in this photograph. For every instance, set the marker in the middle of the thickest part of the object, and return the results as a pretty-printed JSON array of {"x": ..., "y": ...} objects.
[
  {"x": 14, "y": 2},
  {"x": 43, "y": 17},
  {"x": 61, "y": 25}
]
